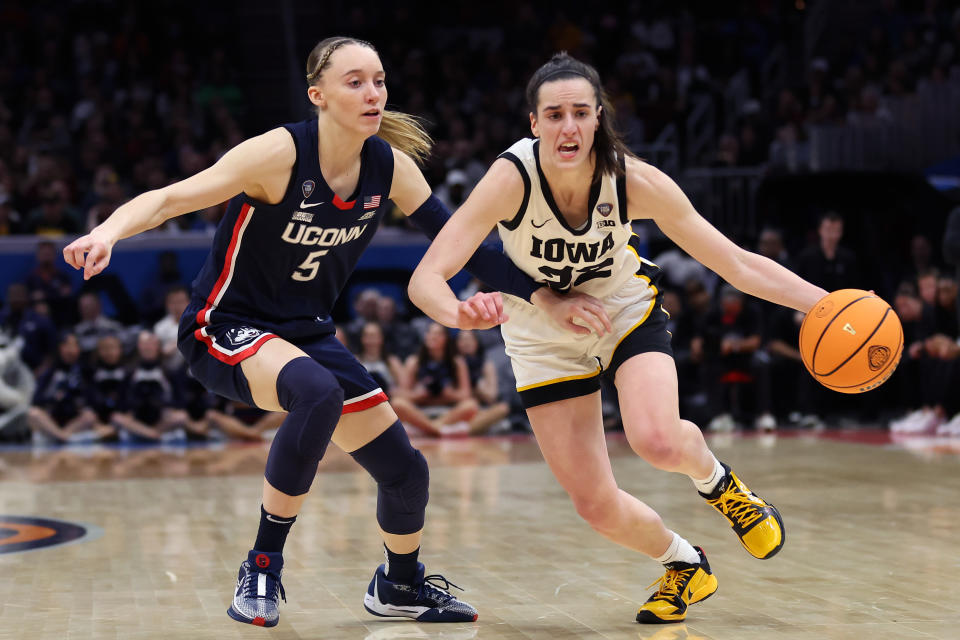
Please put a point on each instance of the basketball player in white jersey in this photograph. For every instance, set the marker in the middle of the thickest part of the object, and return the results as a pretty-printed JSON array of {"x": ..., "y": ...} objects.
[{"x": 563, "y": 203}]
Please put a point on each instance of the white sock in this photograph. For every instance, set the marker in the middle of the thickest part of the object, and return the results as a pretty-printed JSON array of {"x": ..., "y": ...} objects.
[
  {"x": 679, "y": 551},
  {"x": 708, "y": 484}
]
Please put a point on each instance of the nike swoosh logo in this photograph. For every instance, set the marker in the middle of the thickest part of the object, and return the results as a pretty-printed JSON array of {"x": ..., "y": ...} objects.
[
  {"x": 541, "y": 224},
  {"x": 304, "y": 205},
  {"x": 278, "y": 520}
]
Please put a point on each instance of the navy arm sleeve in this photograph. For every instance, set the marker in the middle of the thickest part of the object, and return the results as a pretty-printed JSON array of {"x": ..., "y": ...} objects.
[{"x": 488, "y": 263}]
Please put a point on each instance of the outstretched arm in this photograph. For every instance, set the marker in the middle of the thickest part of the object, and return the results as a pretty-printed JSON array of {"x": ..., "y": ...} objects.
[
  {"x": 651, "y": 194},
  {"x": 459, "y": 238},
  {"x": 242, "y": 169},
  {"x": 412, "y": 194}
]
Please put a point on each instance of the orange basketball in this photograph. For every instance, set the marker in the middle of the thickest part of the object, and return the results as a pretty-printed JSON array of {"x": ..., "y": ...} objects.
[{"x": 851, "y": 341}]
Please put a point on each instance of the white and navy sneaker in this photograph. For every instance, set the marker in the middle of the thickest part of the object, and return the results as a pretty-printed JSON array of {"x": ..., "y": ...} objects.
[
  {"x": 425, "y": 600},
  {"x": 257, "y": 598}
]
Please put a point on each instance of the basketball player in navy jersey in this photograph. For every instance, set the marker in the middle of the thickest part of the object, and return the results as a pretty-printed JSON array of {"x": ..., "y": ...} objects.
[
  {"x": 563, "y": 203},
  {"x": 305, "y": 200}
]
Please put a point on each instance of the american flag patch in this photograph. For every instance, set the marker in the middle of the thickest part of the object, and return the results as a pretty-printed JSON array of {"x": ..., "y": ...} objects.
[{"x": 371, "y": 202}]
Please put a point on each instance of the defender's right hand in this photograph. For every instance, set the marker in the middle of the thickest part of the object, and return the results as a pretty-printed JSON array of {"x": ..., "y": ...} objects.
[
  {"x": 481, "y": 311},
  {"x": 90, "y": 253}
]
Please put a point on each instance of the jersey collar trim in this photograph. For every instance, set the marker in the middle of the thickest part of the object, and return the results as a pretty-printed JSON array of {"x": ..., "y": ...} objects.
[{"x": 548, "y": 196}]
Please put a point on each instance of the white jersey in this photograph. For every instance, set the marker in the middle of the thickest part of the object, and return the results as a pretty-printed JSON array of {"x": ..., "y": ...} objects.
[{"x": 598, "y": 258}]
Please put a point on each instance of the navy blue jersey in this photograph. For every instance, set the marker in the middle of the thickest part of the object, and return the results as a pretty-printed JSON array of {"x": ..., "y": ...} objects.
[{"x": 280, "y": 267}]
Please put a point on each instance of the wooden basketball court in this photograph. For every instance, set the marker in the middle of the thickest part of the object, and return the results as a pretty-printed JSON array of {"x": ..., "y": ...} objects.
[{"x": 871, "y": 552}]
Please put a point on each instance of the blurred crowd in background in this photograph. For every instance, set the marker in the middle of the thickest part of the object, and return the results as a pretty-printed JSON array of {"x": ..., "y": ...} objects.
[{"x": 104, "y": 100}]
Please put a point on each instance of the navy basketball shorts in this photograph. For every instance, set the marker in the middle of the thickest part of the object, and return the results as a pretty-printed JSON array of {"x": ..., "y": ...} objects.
[
  {"x": 551, "y": 363},
  {"x": 214, "y": 353}
]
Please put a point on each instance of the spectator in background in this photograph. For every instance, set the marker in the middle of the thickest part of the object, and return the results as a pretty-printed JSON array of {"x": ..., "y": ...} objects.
[
  {"x": 927, "y": 286},
  {"x": 793, "y": 393},
  {"x": 827, "y": 264},
  {"x": 732, "y": 340},
  {"x": 364, "y": 310},
  {"x": 153, "y": 296},
  {"x": 10, "y": 219},
  {"x": 943, "y": 350},
  {"x": 951, "y": 236},
  {"x": 820, "y": 104},
  {"x": 107, "y": 194},
  {"x": 175, "y": 301},
  {"x": 945, "y": 310},
  {"x": 770, "y": 245},
  {"x": 93, "y": 324},
  {"x": 678, "y": 268},
  {"x": 54, "y": 216},
  {"x": 935, "y": 357},
  {"x": 918, "y": 323},
  {"x": 37, "y": 331},
  {"x": 453, "y": 192},
  {"x": 921, "y": 255},
  {"x": 208, "y": 416},
  {"x": 435, "y": 395},
  {"x": 688, "y": 351},
  {"x": 916, "y": 316},
  {"x": 17, "y": 387},
  {"x": 149, "y": 408},
  {"x": 728, "y": 152},
  {"x": 108, "y": 388},
  {"x": 402, "y": 339},
  {"x": 384, "y": 366},
  {"x": 483, "y": 385},
  {"x": 47, "y": 281},
  {"x": 60, "y": 405}
]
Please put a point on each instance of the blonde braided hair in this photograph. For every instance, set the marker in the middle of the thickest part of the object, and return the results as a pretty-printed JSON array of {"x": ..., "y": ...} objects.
[{"x": 401, "y": 130}]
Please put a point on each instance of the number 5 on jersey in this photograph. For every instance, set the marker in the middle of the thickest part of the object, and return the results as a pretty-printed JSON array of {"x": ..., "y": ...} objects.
[{"x": 307, "y": 270}]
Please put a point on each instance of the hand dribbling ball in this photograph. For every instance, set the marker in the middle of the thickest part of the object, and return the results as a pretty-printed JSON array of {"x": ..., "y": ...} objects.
[{"x": 851, "y": 341}]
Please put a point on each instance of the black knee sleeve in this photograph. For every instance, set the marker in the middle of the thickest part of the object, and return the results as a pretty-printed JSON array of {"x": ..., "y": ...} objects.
[
  {"x": 403, "y": 480},
  {"x": 314, "y": 401}
]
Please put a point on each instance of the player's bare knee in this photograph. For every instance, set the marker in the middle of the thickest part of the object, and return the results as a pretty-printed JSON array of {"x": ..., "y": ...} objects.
[{"x": 659, "y": 446}]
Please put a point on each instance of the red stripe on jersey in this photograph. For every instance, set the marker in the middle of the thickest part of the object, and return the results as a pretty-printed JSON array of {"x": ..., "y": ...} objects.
[
  {"x": 340, "y": 204},
  {"x": 227, "y": 265},
  {"x": 364, "y": 404}
]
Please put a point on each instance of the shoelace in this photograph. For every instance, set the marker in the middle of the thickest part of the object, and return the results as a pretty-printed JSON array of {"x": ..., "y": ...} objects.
[
  {"x": 671, "y": 583},
  {"x": 738, "y": 506},
  {"x": 431, "y": 587},
  {"x": 250, "y": 586}
]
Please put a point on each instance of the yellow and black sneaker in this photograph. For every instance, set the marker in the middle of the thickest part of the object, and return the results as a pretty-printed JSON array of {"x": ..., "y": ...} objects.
[
  {"x": 682, "y": 585},
  {"x": 757, "y": 523}
]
